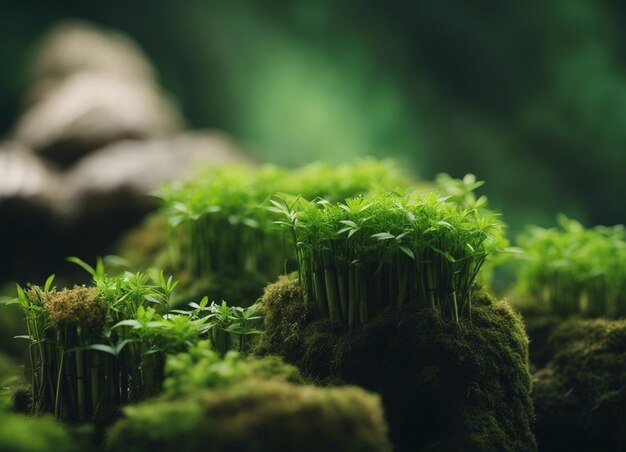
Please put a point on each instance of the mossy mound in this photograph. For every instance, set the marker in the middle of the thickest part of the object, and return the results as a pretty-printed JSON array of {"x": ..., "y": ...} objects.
[
  {"x": 256, "y": 416},
  {"x": 539, "y": 328},
  {"x": 580, "y": 396},
  {"x": 445, "y": 386},
  {"x": 20, "y": 433}
]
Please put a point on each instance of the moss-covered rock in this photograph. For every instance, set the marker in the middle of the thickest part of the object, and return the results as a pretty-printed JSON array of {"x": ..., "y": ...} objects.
[
  {"x": 20, "y": 433},
  {"x": 445, "y": 385},
  {"x": 539, "y": 328},
  {"x": 580, "y": 396},
  {"x": 256, "y": 416}
]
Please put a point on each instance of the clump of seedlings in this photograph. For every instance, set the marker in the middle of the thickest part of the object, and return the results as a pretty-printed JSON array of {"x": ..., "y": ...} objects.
[
  {"x": 386, "y": 297},
  {"x": 358, "y": 257},
  {"x": 95, "y": 348},
  {"x": 575, "y": 271},
  {"x": 247, "y": 403},
  {"x": 225, "y": 322},
  {"x": 218, "y": 223}
]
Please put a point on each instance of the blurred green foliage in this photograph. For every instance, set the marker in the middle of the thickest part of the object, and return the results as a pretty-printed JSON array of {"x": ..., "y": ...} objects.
[{"x": 530, "y": 96}]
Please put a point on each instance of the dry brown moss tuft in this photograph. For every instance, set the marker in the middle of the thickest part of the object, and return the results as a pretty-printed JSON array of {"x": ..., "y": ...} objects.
[{"x": 78, "y": 306}]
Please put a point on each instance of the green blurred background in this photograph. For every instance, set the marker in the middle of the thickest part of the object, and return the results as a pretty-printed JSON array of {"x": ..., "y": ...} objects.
[{"x": 529, "y": 95}]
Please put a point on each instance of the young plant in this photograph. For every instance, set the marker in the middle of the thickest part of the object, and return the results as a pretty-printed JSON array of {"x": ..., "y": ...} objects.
[
  {"x": 92, "y": 348},
  {"x": 224, "y": 322},
  {"x": 387, "y": 250},
  {"x": 574, "y": 270},
  {"x": 218, "y": 224}
]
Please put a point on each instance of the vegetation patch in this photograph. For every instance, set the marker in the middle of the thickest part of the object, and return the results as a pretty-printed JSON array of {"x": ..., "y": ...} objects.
[
  {"x": 218, "y": 222},
  {"x": 95, "y": 348},
  {"x": 248, "y": 404},
  {"x": 357, "y": 258},
  {"x": 580, "y": 396},
  {"x": 445, "y": 385},
  {"x": 573, "y": 270}
]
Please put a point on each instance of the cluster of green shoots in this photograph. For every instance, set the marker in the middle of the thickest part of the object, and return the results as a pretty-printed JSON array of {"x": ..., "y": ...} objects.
[
  {"x": 93, "y": 348},
  {"x": 218, "y": 223},
  {"x": 372, "y": 252},
  {"x": 574, "y": 270}
]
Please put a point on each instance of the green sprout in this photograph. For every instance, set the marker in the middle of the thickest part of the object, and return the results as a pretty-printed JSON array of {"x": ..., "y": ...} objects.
[
  {"x": 218, "y": 225},
  {"x": 574, "y": 270},
  {"x": 372, "y": 252},
  {"x": 95, "y": 347}
]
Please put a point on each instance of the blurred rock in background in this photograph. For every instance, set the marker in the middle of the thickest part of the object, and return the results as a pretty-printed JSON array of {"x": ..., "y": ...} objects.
[
  {"x": 96, "y": 136},
  {"x": 91, "y": 87}
]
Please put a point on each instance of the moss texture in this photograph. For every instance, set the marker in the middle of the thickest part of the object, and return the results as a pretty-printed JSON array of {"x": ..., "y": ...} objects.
[
  {"x": 25, "y": 434},
  {"x": 77, "y": 306},
  {"x": 539, "y": 328},
  {"x": 256, "y": 416},
  {"x": 580, "y": 396},
  {"x": 445, "y": 386}
]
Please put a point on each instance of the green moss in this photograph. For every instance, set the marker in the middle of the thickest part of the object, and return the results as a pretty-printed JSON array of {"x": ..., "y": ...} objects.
[
  {"x": 580, "y": 396},
  {"x": 24, "y": 434},
  {"x": 256, "y": 416},
  {"x": 203, "y": 368},
  {"x": 444, "y": 384},
  {"x": 539, "y": 328}
]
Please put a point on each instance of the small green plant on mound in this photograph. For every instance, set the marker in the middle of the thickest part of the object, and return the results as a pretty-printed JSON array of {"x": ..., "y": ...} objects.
[
  {"x": 218, "y": 223},
  {"x": 245, "y": 403},
  {"x": 580, "y": 396},
  {"x": 575, "y": 271},
  {"x": 224, "y": 322},
  {"x": 358, "y": 257},
  {"x": 95, "y": 348},
  {"x": 445, "y": 385},
  {"x": 203, "y": 368}
]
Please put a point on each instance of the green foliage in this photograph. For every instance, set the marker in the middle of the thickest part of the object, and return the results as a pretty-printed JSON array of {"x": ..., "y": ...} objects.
[
  {"x": 255, "y": 415},
  {"x": 95, "y": 348},
  {"x": 575, "y": 271},
  {"x": 20, "y": 433},
  {"x": 223, "y": 321},
  {"x": 357, "y": 257},
  {"x": 203, "y": 368},
  {"x": 218, "y": 222}
]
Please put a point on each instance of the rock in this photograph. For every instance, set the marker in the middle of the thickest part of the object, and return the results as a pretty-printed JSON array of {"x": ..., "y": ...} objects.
[
  {"x": 30, "y": 191},
  {"x": 580, "y": 396},
  {"x": 445, "y": 386},
  {"x": 89, "y": 110},
  {"x": 76, "y": 46},
  {"x": 25, "y": 178},
  {"x": 126, "y": 172}
]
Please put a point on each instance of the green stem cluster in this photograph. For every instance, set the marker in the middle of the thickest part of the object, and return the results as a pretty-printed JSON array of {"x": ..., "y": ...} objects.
[
  {"x": 387, "y": 250},
  {"x": 95, "y": 348},
  {"x": 574, "y": 270},
  {"x": 218, "y": 224}
]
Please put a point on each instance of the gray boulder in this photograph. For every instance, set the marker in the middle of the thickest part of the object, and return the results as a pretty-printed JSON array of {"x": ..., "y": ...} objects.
[
  {"x": 120, "y": 176},
  {"x": 91, "y": 87}
]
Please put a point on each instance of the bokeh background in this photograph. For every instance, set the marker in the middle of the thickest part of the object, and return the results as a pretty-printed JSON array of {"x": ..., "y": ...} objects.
[{"x": 528, "y": 95}]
